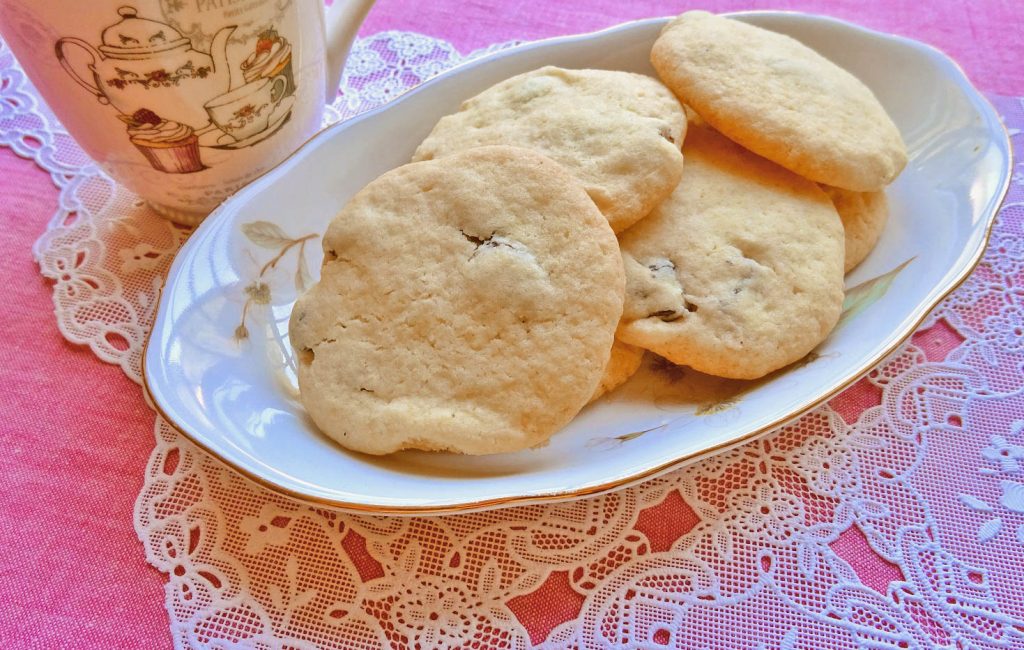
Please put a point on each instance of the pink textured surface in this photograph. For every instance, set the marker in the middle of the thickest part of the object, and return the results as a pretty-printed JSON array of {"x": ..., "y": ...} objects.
[
  {"x": 873, "y": 570},
  {"x": 75, "y": 437},
  {"x": 985, "y": 36},
  {"x": 75, "y": 433}
]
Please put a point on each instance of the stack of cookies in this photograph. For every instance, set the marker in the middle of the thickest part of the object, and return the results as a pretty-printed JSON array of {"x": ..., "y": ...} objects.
[{"x": 548, "y": 233}]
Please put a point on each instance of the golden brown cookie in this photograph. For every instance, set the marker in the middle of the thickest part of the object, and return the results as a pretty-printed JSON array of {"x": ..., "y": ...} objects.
[
  {"x": 624, "y": 362},
  {"x": 619, "y": 133},
  {"x": 864, "y": 215},
  {"x": 465, "y": 304},
  {"x": 740, "y": 271},
  {"x": 780, "y": 99}
]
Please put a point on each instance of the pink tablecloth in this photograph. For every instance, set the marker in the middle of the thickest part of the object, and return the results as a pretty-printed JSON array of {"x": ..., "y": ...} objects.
[{"x": 76, "y": 433}]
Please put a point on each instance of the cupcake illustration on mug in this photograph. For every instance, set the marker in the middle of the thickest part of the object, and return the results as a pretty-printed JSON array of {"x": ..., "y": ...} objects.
[
  {"x": 271, "y": 57},
  {"x": 169, "y": 146}
]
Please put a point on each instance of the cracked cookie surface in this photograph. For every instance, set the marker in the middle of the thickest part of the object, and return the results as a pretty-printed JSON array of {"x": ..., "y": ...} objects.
[
  {"x": 465, "y": 304},
  {"x": 619, "y": 133},
  {"x": 780, "y": 99},
  {"x": 740, "y": 271}
]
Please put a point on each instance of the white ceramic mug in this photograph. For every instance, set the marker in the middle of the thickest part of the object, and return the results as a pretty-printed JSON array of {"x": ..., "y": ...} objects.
[{"x": 184, "y": 101}]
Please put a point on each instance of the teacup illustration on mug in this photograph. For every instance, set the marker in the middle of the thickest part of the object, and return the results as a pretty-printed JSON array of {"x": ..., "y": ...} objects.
[{"x": 249, "y": 113}]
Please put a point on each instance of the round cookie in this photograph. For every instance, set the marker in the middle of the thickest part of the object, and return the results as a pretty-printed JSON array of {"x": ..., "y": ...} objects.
[
  {"x": 624, "y": 362},
  {"x": 466, "y": 304},
  {"x": 780, "y": 99},
  {"x": 864, "y": 215},
  {"x": 619, "y": 133},
  {"x": 740, "y": 271}
]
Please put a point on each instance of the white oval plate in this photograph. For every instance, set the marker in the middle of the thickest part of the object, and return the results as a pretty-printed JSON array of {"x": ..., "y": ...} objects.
[{"x": 238, "y": 398}]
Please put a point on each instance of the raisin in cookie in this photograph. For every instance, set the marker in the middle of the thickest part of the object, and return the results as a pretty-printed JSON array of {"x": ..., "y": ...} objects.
[
  {"x": 619, "y": 133},
  {"x": 780, "y": 99},
  {"x": 466, "y": 304},
  {"x": 864, "y": 215},
  {"x": 740, "y": 271}
]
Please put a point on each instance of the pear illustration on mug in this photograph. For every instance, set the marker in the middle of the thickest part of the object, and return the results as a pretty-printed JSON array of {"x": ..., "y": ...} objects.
[{"x": 176, "y": 100}]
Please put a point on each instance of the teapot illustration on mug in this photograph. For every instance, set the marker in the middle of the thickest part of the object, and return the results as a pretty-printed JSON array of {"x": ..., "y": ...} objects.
[
  {"x": 147, "y": 64},
  {"x": 175, "y": 99}
]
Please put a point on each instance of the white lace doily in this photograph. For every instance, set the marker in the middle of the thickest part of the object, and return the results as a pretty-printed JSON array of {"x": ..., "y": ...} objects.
[{"x": 893, "y": 517}]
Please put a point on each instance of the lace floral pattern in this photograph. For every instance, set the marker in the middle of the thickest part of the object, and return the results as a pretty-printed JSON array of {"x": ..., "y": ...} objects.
[{"x": 846, "y": 528}]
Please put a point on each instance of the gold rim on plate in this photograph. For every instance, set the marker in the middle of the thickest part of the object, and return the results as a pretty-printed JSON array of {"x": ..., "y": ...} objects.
[{"x": 669, "y": 465}]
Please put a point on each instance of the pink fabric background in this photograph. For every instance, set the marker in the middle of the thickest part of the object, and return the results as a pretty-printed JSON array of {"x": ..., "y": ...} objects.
[
  {"x": 72, "y": 573},
  {"x": 985, "y": 36}
]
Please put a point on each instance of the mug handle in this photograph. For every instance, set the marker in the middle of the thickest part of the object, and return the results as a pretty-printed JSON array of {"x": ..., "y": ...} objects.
[
  {"x": 342, "y": 22},
  {"x": 64, "y": 63},
  {"x": 277, "y": 87}
]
